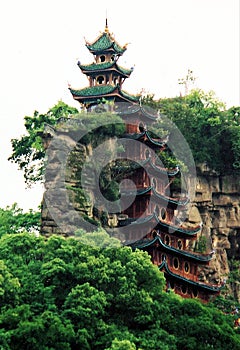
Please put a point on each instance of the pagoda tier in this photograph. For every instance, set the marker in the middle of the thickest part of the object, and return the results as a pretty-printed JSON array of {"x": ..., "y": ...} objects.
[
  {"x": 157, "y": 244},
  {"x": 106, "y": 44},
  {"x": 157, "y": 197},
  {"x": 105, "y": 76},
  {"x": 145, "y": 136},
  {"x": 94, "y": 95},
  {"x": 153, "y": 221},
  {"x": 148, "y": 166},
  {"x": 110, "y": 67},
  {"x": 188, "y": 287},
  {"x": 181, "y": 267}
]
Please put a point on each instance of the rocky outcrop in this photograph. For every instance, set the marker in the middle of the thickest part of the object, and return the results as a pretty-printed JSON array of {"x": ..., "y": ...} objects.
[{"x": 217, "y": 201}]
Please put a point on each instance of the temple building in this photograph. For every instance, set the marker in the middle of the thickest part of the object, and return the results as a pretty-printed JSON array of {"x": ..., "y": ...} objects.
[{"x": 150, "y": 221}]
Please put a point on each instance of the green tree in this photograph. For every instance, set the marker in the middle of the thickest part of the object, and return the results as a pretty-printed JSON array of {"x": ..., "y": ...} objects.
[
  {"x": 211, "y": 131},
  {"x": 61, "y": 294},
  {"x": 13, "y": 220},
  {"x": 28, "y": 150}
]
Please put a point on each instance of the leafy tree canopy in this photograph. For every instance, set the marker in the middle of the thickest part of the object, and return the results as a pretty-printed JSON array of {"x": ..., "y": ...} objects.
[
  {"x": 211, "y": 130},
  {"x": 14, "y": 220},
  {"x": 62, "y": 294},
  {"x": 28, "y": 150}
]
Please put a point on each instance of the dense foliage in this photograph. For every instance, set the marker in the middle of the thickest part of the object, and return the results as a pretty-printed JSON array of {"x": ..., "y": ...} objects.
[
  {"x": 28, "y": 151},
  {"x": 62, "y": 294},
  {"x": 211, "y": 130},
  {"x": 13, "y": 220}
]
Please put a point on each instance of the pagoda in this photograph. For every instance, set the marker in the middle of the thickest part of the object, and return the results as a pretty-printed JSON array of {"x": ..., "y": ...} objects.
[
  {"x": 150, "y": 222},
  {"x": 105, "y": 75}
]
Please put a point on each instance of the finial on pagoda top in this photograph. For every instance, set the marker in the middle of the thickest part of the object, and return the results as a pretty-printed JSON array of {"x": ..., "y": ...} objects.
[{"x": 106, "y": 24}]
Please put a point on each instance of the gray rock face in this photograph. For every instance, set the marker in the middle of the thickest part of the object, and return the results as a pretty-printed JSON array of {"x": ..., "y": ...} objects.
[{"x": 217, "y": 201}]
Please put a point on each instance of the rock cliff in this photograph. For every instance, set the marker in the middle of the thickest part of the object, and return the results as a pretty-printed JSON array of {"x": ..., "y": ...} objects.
[{"x": 217, "y": 202}]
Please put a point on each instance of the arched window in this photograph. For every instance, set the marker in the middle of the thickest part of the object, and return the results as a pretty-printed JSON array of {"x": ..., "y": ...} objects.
[
  {"x": 141, "y": 127},
  {"x": 154, "y": 233},
  {"x": 163, "y": 213},
  {"x": 102, "y": 58},
  {"x": 176, "y": 263},
  {"x": 186, "y": 267},
  {"x": 184, "y": 289},
  {"x": 195, "y": 293},
  {"x": 100, "y": 80}
]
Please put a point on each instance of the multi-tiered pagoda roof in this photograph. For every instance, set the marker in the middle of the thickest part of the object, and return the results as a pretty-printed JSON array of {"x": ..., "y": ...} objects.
[{"x": 105, "y": 75}]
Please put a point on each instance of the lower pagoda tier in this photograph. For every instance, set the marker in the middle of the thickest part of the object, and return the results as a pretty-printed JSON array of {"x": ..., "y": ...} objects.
[
  {"x": 188, "y": 288},
  {"x": 180, "y": 267}
]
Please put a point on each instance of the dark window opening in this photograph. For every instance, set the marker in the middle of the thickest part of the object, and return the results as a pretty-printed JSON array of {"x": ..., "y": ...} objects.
[
  {"x": 186, "y": 267},
  {"x": 100, "y": 80},
  {"x": 175, "y": 263}
]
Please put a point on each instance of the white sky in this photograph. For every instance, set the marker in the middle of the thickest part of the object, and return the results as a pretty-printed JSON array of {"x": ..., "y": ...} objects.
[{"x": 41, "y": 42}]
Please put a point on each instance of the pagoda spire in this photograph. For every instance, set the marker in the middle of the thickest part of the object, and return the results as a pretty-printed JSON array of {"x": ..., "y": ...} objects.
[{"x": 106, "y": 24}]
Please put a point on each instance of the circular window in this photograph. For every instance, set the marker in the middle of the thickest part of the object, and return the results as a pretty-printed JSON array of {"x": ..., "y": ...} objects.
[
  {"x": 100, "y": 80},
  {"x": 102, "y": 58},
  {"x": 186, "y": 267},
  {"x": 179, "y": 244},
  {"x": 167, "y": 240},
  {"x": 184, "y": 289},
  {"x": 176, "y": 263}
]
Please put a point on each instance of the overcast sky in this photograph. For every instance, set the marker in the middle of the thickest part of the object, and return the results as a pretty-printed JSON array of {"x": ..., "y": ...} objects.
[{"x": 41, "y": 42}]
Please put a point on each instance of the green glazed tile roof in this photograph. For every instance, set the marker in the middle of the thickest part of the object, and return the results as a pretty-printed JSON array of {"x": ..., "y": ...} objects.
[
  {"x": 134, "y": 98},
  {"x": 94, "y": 90},
  {"x": 100, "y": 90},
  {"x": 102, "y": 66},
  {"x": 105, "y": 42}
]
